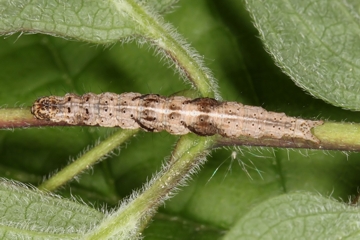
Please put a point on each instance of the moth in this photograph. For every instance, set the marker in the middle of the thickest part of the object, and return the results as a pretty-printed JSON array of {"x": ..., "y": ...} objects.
[{"x": 177, "y": 115}]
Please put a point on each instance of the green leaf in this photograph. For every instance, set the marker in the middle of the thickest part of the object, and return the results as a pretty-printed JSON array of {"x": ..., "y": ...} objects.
[
  {"x": 86, "y": 20},
  {"x": 76, "y": 19},
  {"x": 161, "y": 6},
  {"x": 29, "y": 213},
  {"x": 299, "y": 215},
  {"x": 316, "y": 43}
]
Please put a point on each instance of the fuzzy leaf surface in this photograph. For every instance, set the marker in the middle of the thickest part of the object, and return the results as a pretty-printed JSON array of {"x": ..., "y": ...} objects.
[
  {"x": 316, "y": 43},
  {"x": 86, "y": 20},
  {"x": 299, "y": 215},
  {"x": 27, "y": 213}
]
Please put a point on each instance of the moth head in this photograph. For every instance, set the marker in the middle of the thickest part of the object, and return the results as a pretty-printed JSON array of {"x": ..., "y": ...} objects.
[{"x": 45, "y": 108}]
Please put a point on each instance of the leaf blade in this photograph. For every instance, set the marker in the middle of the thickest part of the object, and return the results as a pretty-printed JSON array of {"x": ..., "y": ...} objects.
[
  {"x": 315, "y": 43},
  {"x": 92, "y": 21},
  {"x": 30, "y": 213},
  {"x": 298, "y": 215}
]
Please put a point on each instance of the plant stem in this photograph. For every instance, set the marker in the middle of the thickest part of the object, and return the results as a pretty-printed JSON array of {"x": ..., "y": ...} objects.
[
  {"x": 22, "y": 118},
  {"x": 165, "y": 38},
  {"x": 332, "y": 136},
  {"x": 15, "y": 117},
  {"x": 87, "y": 160},
  {"x": 128, "y": 221},
  {"x": 339, "y": 136}
]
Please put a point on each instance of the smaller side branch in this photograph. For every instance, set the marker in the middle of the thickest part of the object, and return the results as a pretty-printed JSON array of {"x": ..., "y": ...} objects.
[
  {"x": 133, "y": 215},
  {"x": 87, "y": 160}
]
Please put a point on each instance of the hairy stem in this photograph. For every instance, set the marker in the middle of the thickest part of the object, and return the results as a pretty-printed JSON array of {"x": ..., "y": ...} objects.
[
  {"x": 164, "y": 37},
  {"x": 87, "y": 160},
  {"x": 332, "y": 135},
  {"x": 187, "y": 158}
]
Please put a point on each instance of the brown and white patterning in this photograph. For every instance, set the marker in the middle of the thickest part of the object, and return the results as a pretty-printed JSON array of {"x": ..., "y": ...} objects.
[{"x": 177, "y": 115}]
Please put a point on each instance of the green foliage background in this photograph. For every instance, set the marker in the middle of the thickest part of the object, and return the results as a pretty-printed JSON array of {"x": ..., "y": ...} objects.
[{"x": 219, "y": 197}]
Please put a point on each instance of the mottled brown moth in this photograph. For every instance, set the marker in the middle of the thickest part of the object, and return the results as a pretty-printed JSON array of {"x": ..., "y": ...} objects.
[{"x": 177, "y": 115}]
